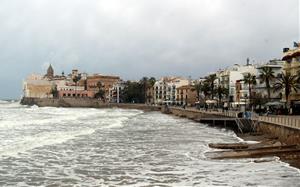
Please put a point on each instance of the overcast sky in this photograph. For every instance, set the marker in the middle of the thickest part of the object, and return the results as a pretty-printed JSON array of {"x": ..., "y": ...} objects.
[{"x": 135, "y": 38}]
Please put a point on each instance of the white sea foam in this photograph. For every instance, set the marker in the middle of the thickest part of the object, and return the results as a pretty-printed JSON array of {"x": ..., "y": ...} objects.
[
  {"x": 26, "y": 143},
  {"x": 10, "y": 104},
  {"x": 3, "y": 102}
]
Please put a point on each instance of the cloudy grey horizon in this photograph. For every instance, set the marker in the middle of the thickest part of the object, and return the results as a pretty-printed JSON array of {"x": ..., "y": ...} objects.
[{"x": 136, "y": 38}]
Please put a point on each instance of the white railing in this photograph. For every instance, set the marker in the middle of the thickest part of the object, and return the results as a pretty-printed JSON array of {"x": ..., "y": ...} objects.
[{"x": 287, "y": 121}]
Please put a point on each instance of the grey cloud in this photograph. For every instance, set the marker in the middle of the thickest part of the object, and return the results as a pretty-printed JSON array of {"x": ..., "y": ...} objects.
[{"x": 133, "y": 38}]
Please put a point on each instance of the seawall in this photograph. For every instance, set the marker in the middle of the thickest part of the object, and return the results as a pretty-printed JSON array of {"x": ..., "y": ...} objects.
[
  {"x": 84, "y": 103},
  {"x": 285, "y": 129},
  {"x": 284, "y": 134},
  {"x": 228, "y": 121}
]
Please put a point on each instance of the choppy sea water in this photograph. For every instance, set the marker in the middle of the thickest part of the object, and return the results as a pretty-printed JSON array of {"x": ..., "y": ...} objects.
[{"x": 114, "y": 147}]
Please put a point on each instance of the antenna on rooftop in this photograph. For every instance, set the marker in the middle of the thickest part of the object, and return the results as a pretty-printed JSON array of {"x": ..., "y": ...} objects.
[
  {"x": 248, "y": 60},
  {"x": 190, "y": 80}
]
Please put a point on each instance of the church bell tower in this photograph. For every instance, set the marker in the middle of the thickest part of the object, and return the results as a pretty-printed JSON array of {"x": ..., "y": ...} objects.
[{"x": 50, "y": 72}]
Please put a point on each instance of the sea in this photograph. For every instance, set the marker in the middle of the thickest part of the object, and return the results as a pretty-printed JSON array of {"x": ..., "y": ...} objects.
[{"x": 117, "y": 147}]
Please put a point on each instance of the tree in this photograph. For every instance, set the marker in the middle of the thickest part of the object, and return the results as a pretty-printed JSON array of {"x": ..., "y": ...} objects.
[
  {"x": 211, "y": 81},
  {"x": 54, "y": 91},
  {"x": 132, "y": 92},
  {"x": 250, "y": 80},
  {"x": 287, "y": 83},
  {"x": 152, "y": 81},
  {"x": 198, "y": 87},
  {"x": 221, "y": 91},
  {"x": 144, "y": 82},
  {"x": 259, "y": 100},
  {"x": 76, "y": 79},
  {"x": 266, "y": 75},
  {"x": 101, "y": 93},
  {"x": 205, "y": 89}
]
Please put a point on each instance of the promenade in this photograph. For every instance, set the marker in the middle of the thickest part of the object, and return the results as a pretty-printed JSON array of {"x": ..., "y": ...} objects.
[
  {"x": 285, "y": 128},
  {"x": 280, "y": 120}
]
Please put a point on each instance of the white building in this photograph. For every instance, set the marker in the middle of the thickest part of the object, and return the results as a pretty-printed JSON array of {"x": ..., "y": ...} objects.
[
  {"x": 165, "y": 89},
  {"x": 277, "y": 66},
  {"x": 238, "y": 76},
  {"x": 232, "y": 79},
  {"x": 115, "y": 91}
]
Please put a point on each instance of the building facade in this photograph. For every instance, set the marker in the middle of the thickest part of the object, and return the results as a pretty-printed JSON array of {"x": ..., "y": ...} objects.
[
  {"x": 150, "y": 95},
  {"x": 35, "y": 86},
  {"x": 165, "y": 89},
  {"x": 115, "y": 92},
  {"x": 277, "y": 66},
  {"x": 75, "y": 84},
  {"x": 186, "y": 95},
  {"x": 105, "y": 81},
  {"x": 232, "y": 78},
  {"x": 292, "y": 66}
]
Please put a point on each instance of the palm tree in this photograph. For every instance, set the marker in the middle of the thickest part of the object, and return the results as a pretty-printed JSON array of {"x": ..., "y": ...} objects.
[
  {"x": 198, "y": 87},
  {"x": 101, "y": 92},
  {"x": 205, "y": 89},
  {"x": 150, "y": 84},
  {"x": 76, "y": 79},
  {"x": 54, "y": 91},
  {"x": 221, "y": 91},
  {"x": 144, "y": 82},
  {"x": 211, "y": 81},
  {"x": 151, "y": 81},
  {"x": 288, "y": 83},
  {"x": 266, "y": 75},
  {"x": 250, "y": 80}
]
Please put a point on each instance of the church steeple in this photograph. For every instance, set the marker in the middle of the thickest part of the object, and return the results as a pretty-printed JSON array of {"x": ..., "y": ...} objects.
[{"x": 50, "y": 72}]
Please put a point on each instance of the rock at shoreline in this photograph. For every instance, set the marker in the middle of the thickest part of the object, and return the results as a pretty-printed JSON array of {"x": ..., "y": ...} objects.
[{"x": 228, "y": 145}]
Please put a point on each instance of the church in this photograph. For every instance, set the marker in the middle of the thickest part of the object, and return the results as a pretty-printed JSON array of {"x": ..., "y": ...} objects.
[{"x": 76, "y": 84}]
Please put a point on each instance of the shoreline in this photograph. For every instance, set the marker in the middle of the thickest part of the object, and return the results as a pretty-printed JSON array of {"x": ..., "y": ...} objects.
[{"x": 265, "y": 140}]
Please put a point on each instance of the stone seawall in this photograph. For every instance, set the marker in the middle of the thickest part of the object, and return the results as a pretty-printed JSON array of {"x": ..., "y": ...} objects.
[
  {"x": 284, "y": 134},
  {"x": 191, "y": 113},
  {"x": 84, "y": 103}
]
